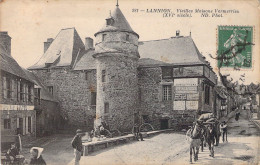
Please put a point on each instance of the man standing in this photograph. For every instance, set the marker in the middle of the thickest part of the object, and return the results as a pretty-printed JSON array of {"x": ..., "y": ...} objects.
[
  {"x": 77, "y": 145},
  {"x": 223, "y": 128},
  {"x": 137, "y": 133}
]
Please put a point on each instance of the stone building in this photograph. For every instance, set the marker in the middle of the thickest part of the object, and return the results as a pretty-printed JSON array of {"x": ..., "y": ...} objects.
[
  {"x": 16, "y": 101},
  {"x": 46, "y": 107},
  {"x": 27, "y": 106},
  {"x": 168, "y": 86},
  {"x": 175, "y": 91},
  {"x": 222, "y": 97}
]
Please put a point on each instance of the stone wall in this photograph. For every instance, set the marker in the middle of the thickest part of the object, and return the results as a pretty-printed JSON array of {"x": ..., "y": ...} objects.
[
  {"x": 150, "y": 84},
  {"x": 203, "y": 106},
  {"x": 119, "y": 90},
  {"x": 73, "y": 92},
  {"x": 48, "y": 117}
]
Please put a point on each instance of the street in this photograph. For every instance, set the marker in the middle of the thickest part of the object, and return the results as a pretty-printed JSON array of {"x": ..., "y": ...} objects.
[{"x": 166, "y": 148}]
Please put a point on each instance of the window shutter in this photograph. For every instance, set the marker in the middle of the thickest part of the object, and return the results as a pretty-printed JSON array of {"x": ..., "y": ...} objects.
[
  {"x": 18, "y": 90},
  {"x": 32, "y": 94},
  {"x": 12, "y": 88},
  {"x": 4, "y": 87},
  {"x": 23, "y": 92},
  {"x": 26, "y": 93}
]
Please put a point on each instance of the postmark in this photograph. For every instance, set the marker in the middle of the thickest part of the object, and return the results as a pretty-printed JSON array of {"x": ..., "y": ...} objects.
[{"x": 235, "y": 47}]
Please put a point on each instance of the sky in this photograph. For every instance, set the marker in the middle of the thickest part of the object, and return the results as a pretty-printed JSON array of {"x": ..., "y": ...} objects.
[{"x": 30, "y": 23}]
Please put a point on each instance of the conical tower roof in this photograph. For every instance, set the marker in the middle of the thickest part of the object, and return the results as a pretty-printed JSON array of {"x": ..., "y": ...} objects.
[{"x": 119, "y": 23}]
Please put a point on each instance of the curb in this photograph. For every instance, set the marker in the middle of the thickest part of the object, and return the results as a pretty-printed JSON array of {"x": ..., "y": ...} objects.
[{"x": 91, "y": 147}]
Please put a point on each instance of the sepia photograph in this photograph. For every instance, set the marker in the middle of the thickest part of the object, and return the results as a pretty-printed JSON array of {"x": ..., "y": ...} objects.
[{"x": 130, "y": 82}]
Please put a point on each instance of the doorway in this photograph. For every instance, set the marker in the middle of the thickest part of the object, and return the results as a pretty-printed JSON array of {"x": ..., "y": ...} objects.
[
  {"x": 164, "y": 123},
  {"x": 20, "y": 126}
]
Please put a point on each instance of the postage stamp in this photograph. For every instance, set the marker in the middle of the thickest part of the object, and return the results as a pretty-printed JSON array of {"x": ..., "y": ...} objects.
[{"x": 235, "y": 47}]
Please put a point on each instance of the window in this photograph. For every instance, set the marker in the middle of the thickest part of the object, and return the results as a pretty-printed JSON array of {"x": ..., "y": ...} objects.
[
  {"x": 93, "y": 98},
  {"x": 29, "y": 124},
  {"x": 22, "y": 92},
  {"x": 7, "y": 123},
  {"x": 103, "y": 75},
  {"x": 207, "y": 94},
  {"x": 167, "y": 92},
  {"x": 88, "y": 75},
  {"x": 106, "y": 107},
  {"x": 127, "y": 37},
  {"x": 104, "y": 37},
  {"x": 50, "y": 89},
  {"x": 110, "y": 21},
  {"x": 37, "y": 94},
  {"x": 166, "y": 72}
]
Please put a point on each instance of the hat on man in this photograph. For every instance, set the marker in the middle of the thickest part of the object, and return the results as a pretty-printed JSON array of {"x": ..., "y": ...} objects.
[{"x": 79, "y": 131}]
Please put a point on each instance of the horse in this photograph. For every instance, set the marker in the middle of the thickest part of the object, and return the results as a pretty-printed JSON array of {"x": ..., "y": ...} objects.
[
  {"x": 210, "y": 138},
  {"x": 216, "y": 129},
  {"x": 203, "y": 137},
  {"x": 193, "y": 135}
]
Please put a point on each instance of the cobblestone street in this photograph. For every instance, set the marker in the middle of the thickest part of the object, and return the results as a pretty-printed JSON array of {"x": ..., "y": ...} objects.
[{"x": 168, "y": 148}]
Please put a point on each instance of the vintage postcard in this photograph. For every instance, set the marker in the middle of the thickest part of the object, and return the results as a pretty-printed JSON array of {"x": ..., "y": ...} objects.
[{"x": 136, "y": 82}]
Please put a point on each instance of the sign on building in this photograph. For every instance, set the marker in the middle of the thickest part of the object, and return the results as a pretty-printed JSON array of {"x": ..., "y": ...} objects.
[
  {"x": 179, "y": 105},
  {"x": 186, "y": 94},
  {"x": 192, "y": 105},
  {"x": 188, "y": 71}
]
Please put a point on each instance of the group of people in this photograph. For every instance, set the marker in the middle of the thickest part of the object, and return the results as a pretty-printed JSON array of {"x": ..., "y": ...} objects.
[
  {"x": 209, "y": 118},
  {"x": 13, "y": 156},
  {"x": 77, "y": 140}
]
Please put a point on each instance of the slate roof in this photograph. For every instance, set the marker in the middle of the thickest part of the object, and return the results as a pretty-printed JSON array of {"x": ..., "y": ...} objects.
[
  {"x": 62, "y": 51},
  {"x": 8, "y": 64},
  {"x": 45, "y": 94},
  {"x": 120, "y": 23},
  {"x": 146, "y": 62},
  {"x": 86, "y": 62},
  {"x": 220, "y": 90},
  {"x": 175, "y": 50}
]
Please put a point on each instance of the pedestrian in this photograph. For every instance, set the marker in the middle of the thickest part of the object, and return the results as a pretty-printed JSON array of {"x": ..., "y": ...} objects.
[
  {"x": 223, "y": 129},
  {"x": 237, "y": 116},
  {"x": 77, "y": 145},
  {"x": 36, "y": 157},
  {"x": 12, "y": 153},
  {"x": 211, "y": 139},
  {"x": 137, "y": 133}
]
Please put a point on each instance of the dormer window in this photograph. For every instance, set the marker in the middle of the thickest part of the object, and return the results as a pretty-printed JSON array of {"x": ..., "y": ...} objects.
[
  {"x": 127, "y": 37},
  {"x": 110, "y": 21}
]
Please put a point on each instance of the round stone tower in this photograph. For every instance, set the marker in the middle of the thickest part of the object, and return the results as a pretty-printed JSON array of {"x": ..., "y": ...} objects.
[{"x": 116, "y": 53}]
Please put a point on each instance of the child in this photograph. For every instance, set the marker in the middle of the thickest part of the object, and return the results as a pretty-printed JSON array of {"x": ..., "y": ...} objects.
[
  {"x": 12, "y": 153},
  {"x": 36, "y": 158}
]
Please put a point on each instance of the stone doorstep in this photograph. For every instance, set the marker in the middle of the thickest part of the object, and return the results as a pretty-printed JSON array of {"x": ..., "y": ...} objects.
[{"x": 90, "y": 147}]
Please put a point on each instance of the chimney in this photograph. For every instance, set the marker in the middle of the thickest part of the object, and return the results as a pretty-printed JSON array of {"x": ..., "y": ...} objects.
[
  {"x": 5, "y": 39},
  {"x": 177, "y": 33},
  {"x": 88, "y": 43},
  {"x": 47, "y": 44}
]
